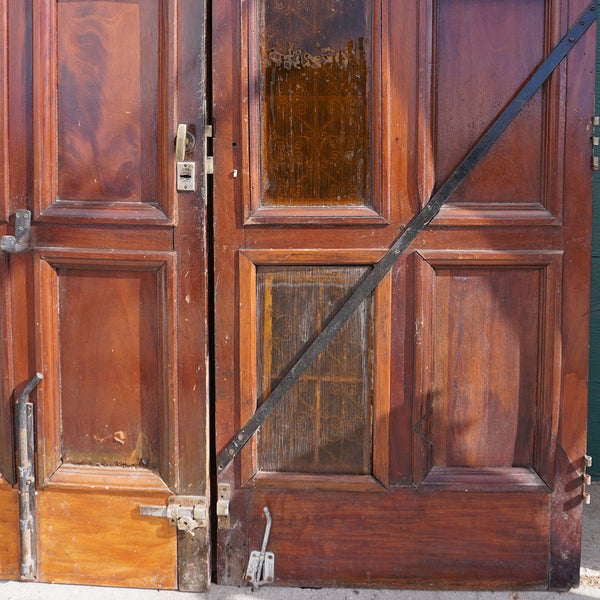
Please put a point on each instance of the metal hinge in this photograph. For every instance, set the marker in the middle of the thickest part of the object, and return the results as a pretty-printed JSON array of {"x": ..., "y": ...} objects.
[
  {"x": 20, "y": 242},
  {"x": 587, "y": 479},
  {"x": 224, "y": 521},
  {"x": 209, "y": 161},
  {"x": 188, "y": 513},
  {"x": 596, "y": 144}
]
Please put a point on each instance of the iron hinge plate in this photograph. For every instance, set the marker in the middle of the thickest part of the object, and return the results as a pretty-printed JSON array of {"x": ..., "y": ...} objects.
[
  {"x": 223, "y": 518},
  {"x": 209, "y": 161},
  {"x": 596, "y": 144}
]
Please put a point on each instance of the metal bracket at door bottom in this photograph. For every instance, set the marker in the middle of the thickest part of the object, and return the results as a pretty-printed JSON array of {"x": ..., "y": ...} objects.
[
  {"x": 261, "y": 566},
  {"x": 188, "y": 513}
]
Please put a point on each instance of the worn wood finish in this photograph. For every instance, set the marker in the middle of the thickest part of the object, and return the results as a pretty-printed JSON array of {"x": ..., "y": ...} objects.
[
  {"x": 9, "y": 518},
  {"x": 114, "y": 163},
  {"x": 190, "y": 244},
  {"x": 7, "y": 470},
  {"x": 120, "y": 548},
  {"x": 111, "y": 305},
  {"x": 486, "y": 364},
  {"x": 567, "y": 507},
  {"x": 482, "y": 541}
]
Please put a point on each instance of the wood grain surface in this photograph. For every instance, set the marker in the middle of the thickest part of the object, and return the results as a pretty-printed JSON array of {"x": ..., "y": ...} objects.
[
  {"x": 9, "y": 548},
  {"x": 88, "y": 538}
]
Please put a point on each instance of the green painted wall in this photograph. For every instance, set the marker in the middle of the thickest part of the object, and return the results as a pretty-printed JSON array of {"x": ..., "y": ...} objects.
[{"x": 594, "y": 388}]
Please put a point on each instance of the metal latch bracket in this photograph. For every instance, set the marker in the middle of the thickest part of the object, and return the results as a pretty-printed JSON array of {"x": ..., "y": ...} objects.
[
  {"x": 261, "y": 566},
  {"x": 587, "y": 479},
  {"x": 223, "y": 518},
  {"x": 19, "y": 242},
  {"x": 187, "y": 513}
]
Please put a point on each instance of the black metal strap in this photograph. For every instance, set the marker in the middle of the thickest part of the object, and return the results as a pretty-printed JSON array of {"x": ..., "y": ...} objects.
[{"x": 413, "y": 229}]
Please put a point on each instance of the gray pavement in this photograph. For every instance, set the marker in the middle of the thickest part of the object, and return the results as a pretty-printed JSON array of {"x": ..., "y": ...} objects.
[{"x": 590, "y": 588}]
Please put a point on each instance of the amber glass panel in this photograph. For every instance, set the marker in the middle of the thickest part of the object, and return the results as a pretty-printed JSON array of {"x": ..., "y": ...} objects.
[
  {"x": 108, "y": 100},
  {"x": 324, "y": 424},
  {"x": 315, "y": 91},
  {"x": 110, "y": 354}
]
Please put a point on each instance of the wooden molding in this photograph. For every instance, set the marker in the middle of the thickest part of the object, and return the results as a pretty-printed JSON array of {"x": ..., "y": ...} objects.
[
  {"x": 47, "y": 306},
  {"x": 156, "y": 206},
  {"x": 250, "y": 473}
]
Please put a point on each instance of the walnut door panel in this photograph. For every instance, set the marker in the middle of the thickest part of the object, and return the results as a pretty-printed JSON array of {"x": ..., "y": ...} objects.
[
  {"x": 487, "y": 362},
  {"x": 107, "y": 335},
  {"x": 135, "y": 551},
  {"x": 106, "y": 421}
]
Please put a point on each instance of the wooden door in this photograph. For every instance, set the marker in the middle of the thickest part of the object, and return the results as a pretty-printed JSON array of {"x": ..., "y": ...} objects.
[
  {"x": 109, "y": 304},
  {"x": 438, "y": 441}
]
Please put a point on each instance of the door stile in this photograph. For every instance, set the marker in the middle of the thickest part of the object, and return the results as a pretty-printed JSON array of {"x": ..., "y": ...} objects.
[
  {"x": 230, "y": 143},
  {"x": 192, "y": 316},
  {"x": 567, "y": 503}
]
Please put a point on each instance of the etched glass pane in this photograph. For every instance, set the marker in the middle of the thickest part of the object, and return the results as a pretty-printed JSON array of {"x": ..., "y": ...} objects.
[
  {"x": 315, "y": 89},
  {"x": 324, "y": 424}
]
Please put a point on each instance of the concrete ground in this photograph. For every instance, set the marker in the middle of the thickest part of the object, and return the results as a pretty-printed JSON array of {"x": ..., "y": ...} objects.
[{"x": 590, "y": 588}]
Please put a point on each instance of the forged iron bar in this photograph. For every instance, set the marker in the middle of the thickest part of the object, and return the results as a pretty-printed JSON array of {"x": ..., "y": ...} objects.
[{"x": 26, "y": 478}]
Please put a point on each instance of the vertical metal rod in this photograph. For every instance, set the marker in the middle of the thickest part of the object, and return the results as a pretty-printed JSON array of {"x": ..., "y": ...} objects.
[{"x": 26, "y": 479}]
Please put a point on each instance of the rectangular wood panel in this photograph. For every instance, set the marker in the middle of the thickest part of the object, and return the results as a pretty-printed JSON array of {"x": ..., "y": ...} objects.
[
  {"x": 111, "y": 377},
  {"x": 4, "y": 149},
  {"x": 107, "y": 396},
  {"x": 122, "y": 548},
  {"x": 108, "y": 82},
  {"x": 525, "y": 164},
  {"x": 104, "y": 110},
  {"x": 408, "y": 539},
  {"x": 487, "y": 355}
]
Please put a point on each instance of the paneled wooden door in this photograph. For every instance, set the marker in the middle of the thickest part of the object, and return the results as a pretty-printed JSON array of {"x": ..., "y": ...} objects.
[
  {"x": 439, "y": 440},
  {"x": 110, "y": 303}
]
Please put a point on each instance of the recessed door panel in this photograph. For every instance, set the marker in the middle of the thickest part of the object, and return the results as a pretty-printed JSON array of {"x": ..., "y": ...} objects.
[{"x": 108, "y": 78}]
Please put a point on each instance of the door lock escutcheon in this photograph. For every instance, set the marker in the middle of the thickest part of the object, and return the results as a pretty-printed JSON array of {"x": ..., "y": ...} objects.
[
  {"x": 20, "y": 242},
  {"x": 186, "y": 170}
]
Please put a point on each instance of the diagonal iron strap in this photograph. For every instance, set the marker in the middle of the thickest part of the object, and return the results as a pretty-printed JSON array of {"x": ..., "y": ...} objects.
[{"x": 413, "y": 229}]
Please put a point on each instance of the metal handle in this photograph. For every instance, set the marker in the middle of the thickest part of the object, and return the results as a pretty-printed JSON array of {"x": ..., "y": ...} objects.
[
  {"x": 184, "y": 142},
  {"x": 20, "y": 242},
  {"x": 180, "y": 142}
]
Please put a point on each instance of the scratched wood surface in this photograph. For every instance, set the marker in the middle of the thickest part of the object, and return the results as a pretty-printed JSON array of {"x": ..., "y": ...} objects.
[
  {"x": 87, "y": 538},
  {"x": 9, "y": 519}
]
